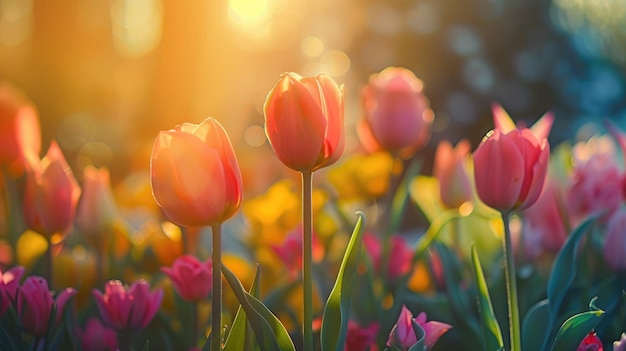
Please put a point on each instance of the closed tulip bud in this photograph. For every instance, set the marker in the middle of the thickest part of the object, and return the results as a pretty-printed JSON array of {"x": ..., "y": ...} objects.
[
  {"x": 449, "y": 168},
  {"x": 97, "y": 209},
  {"x": 615, "y": 244},
  {"x": 195, "y": 174},
  {"x": 51, "y": 194},
  {"x": 132, "y": 308},
  {"x": 304, "y": 121},
  {"x": 191, "y": 278},
  {"x": 35, "y": 305},
  {"x": 9, "y": 285},
  {"x": 510, "y": 164},
  {"x": 20, "y": 134},
  {"x": 397, "y": 114}
]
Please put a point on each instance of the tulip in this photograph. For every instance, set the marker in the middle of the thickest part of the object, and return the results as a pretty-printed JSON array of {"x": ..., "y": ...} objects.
[
  {"x": 304, "y": 121},
  {"x": 449, "y": 168},
  {"x": 590, "y": 343},
  {"x": 510, "y": 169},
  {"x": 399, "y": 261},
  {"x": 191, "y": 278},
  {"x": 620, "y": 345},
  {"x": 35, "y": 304},
  {"x": 51, "y": 194},
  {"x": 359, "y": 338},
  {"x": 195, "y": 175},
  {"x": 98, "y": 337},
  {"x": 9, "y": 285},
  {"x": 615, "y": 244},
  {"x": 20, "y": 134},
  {"x": 123, "y": 308},
  {"x": 96, "y": 210},
  {"x": 403, "y": 335},
  {"x": 397, "y": 114}
]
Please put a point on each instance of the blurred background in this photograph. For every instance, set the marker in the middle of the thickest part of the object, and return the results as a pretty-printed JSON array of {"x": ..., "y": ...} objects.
[{"x": 107, "y": 75}]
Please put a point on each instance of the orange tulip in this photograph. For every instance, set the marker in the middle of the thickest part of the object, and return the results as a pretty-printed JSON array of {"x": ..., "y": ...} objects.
[
  {"x": 195, "y": 174},
  {"x": 304, "y": 121},
  {"x": 450, "y": 169},
  {"x": 397, "y": 114},
  {"x": 51, "y": 194},
  {"x": 19, "y": 129}
]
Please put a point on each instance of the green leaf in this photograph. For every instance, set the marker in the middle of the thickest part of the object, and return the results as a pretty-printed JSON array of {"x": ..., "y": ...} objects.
[
  {"x": 269, "y": 331},
  {"x": 490, "y": 327},
  {"x": 240, "y": 336},
  {"x": 564, "y": 268},
  {"x": 336, "y": 311},
  {"x": 420, "y": 334},
  {"x": 574, "y": 330},
  {"x": 146, "y": 346},
  {"x": 398, "y": 203},
  {"x": 534, "y": 329}
]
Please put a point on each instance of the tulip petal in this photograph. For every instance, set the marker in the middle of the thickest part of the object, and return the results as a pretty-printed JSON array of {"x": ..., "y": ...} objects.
[
  {"x": 501, "y": 119},
  {"x": 541, "y": 128}
]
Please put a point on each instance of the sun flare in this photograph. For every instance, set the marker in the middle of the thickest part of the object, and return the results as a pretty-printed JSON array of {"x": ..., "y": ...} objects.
[{"x": 248, "y": 12}]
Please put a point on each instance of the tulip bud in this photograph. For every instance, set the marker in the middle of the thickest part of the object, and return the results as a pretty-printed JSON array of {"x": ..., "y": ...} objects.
[
  {"x": 510, "y": 164},
  {"x": 590, "y": 343},
  {"x": 402, "y": 334},
  {"x": 51, "y": 194},
  {"x": 397, "y": 114},
  {"x": 9, "y": 284},
  {"x": 123, "y": 308},
  {"x": 195, "y": 174},
  {"x": 35, "y": 305},
  {"x": 304, "y": 121},
  {"x": 449, "y": 168},
  {"x": 96, "y": 210},
  {"x": 20, "y": 134},
  {"x": 191, "y": 278}
]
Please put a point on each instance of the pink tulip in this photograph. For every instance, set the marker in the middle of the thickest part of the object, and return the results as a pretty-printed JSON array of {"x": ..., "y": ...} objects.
[
  {"x": 510, "y": 164},
  {"x": 615, "y": 244},
  {"x": 20, "y": 134},
  {"x": 590, "y": 343},
  {"x": 399, "y": 260},
  {"x": 620, "y": 345},
  {"x": 9, "y": 285},
  {"x": 98, "y": 337},
  {"x": 195, "y": 174},
  {"x": 191, "y": 278},
  {"x": 124, "y": 308},
  {"x": 449, "y": 168},
  {"x": 290, "y": 251},
  {"x": 359, "y": 338},
  {"x": 403, "y": 335},
  {"x": 545, "y": 227},
  {"x": 304, "y": 121},
  {"x": 51, "y": 194},
  {"x": 97, "y": 209},
  {"x": 397, "y": 114},
  {"x": 35, "y": 305}
]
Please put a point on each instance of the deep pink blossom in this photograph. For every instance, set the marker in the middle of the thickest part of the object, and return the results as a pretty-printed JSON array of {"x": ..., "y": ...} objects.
[
  {"x": 128, "y": 308},
  {"x": 591, "y": 342},
  {"x": 191, "y": 278},
  {"x": 9, "y": 285},
  {"x": 399, "y": 259},
  {"x": 98, "y": 337},
  {"x": 359, "y": 338},
  {"x": 36, "y": 303}
]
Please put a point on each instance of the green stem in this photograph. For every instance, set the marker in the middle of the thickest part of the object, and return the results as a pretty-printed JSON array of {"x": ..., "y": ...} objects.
[
  {"x": 47, "y": 269},
  {"x": 511, "y": 286},
  {"x": 307, "y": 242},
  {"x": 194, "y": 324},
  {"x": 216, "y": 303},
  {"x": 124, "y": 339}
]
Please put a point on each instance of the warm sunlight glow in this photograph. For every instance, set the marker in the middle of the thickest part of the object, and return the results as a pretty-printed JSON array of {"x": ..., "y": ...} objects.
[{"x": 248, "y": 12}]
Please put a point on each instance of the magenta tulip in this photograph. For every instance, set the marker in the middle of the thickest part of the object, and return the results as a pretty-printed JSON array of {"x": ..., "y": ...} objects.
[
  {"x": 9, "y": 285},
  {"x": 98, "y": 337},
  {"x": 304, "y": 121},
  {"x": 35, "y": 305},
  {"x": 403, "y": 335},
  {"x": 590, "y": 343},
  {"x": 191, "y": 278},
  {"x": 51, "y": 194},
  {"x": 132, "y": 308},
  {"x": 195, "y": 174},
  {"x": 359, "y": 337}
]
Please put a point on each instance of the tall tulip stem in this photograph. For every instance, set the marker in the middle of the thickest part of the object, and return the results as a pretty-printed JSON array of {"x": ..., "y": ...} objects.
[
  {"x": 307, "y": 243},
  {"x": 511, "y": 286},
  {"x": 216, "y": 303},
  {"x": 48, "y": 263}
]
